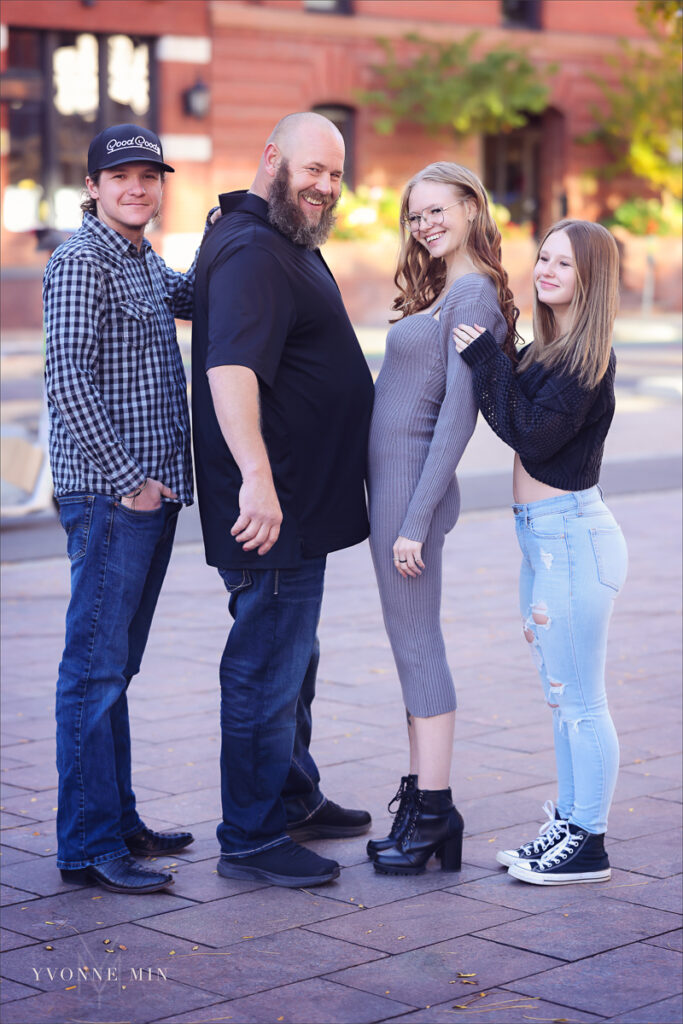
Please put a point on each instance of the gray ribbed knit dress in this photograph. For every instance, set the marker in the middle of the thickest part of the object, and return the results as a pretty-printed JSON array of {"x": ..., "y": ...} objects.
[{"x": 424, "y": 415}]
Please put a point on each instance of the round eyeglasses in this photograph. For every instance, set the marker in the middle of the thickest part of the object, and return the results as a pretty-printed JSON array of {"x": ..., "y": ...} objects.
[{"x": 430, "y": 215}]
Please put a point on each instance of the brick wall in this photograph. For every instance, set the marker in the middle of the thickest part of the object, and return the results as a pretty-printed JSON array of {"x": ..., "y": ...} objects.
[
  {"x": 184, "y": 209},
  {"x": 270, "y": 57},
  {"x": 141, "y": 17}
]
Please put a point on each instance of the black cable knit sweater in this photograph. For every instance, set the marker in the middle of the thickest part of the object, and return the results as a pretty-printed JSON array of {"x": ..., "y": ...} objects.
[{"x": 557, "y": 427}]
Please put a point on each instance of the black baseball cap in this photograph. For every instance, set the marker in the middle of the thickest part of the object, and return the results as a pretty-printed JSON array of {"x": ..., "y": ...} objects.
[{"x": 124, "y": 144}]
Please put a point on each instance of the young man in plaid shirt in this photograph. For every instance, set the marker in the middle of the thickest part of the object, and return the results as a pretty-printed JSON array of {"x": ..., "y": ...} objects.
[{"x": 121, "y": 464}]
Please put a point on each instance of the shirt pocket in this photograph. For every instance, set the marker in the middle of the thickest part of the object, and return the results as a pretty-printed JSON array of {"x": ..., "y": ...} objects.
[{"x": 137, "y": 322}]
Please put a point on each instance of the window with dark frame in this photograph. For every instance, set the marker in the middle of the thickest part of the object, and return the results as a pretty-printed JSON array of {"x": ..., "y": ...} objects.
[
  {"x": 62, "y": 88},
  {"x": 521, "y": 13},
  {"x": 512, "y": 170},
  {"x": 344, "y": 118}
]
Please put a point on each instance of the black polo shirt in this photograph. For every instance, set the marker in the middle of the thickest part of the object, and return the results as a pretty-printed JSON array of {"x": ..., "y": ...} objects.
[{"x": 263, "y": 302}]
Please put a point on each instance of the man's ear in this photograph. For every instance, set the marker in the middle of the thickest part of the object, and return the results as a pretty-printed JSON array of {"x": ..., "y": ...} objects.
[
  {"x": 92, "y": 188},
  {"x": 272, "y": 158}
]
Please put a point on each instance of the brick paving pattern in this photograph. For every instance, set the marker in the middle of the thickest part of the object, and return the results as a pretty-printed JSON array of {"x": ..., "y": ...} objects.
[{"x": 476, "y": 945}]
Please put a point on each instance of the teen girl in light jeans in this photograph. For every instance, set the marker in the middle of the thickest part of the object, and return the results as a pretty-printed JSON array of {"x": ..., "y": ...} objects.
[{"x": 555, "y": 408}]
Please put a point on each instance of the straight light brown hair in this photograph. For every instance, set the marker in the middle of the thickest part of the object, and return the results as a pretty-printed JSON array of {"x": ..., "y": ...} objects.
[
  {"x": 420, "y": 277},
  {"x": 583, "y": 351}
]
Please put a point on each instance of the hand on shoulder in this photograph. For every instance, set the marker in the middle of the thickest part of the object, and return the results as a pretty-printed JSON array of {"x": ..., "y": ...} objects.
[{"x": 463, "y": 335}]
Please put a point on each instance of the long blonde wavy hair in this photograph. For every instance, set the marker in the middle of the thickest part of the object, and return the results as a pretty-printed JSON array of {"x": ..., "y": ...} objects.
[
  {"x": 420, "y": 278},
  {"x": 584, "y": 349}
]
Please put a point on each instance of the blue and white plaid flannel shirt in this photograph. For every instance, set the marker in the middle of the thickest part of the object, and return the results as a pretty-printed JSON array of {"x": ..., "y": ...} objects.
[{"x": 116, "y": 387}]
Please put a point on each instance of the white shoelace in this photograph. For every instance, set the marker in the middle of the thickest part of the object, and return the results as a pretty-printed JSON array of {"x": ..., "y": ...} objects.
[
  {"x": 550, "y": 833},
  {"x": 559, "y": 853}
]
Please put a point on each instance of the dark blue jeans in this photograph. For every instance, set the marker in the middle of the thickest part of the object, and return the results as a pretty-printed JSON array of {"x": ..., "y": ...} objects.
[
  {"x": 118, "y": 563},
  {"x": 268, "y": 777}
]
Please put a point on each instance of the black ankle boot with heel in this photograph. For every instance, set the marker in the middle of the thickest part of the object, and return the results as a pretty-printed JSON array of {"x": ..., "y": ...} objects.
[
  {"x": 404, "y": 797},
  {"x": 434, "y": 826}
]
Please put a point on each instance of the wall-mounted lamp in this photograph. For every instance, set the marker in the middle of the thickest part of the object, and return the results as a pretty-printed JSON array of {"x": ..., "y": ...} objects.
[{"x": 197, "y": 100}]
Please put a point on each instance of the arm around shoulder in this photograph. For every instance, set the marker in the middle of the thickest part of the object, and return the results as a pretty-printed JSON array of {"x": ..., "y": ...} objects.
[
  {"x": 180, "y": 284},
  {"x": 537, "y": 425}
]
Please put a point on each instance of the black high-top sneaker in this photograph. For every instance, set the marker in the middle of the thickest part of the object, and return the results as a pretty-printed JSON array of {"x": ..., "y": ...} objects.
[
  {"x": 580, "y": 857},
  {"x": 551, "y": 832}
]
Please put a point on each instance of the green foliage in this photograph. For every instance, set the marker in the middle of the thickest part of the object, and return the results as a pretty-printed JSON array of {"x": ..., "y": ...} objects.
[
  {"x": 507, "y": 227},
  {"x": 648, "y": 217},
  {"x": 445, "y": 86},
  {"x": 640, "y": 122},
  {"x": 367, "y": 214},
  {"x": 665, "y": 12},
  {"x": 370, "y": 214}
]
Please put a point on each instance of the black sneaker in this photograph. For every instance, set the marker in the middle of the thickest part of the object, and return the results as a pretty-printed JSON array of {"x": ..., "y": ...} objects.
[
  {"x": 552, "y": 832},
  {"x": 580, "y": 857},
  {"x": 331, "y": 822},
  {"x": 287, "y": 864}
]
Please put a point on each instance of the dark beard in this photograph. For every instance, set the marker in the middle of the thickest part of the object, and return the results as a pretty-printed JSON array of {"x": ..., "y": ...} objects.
[{"x": 285, "y": 215}]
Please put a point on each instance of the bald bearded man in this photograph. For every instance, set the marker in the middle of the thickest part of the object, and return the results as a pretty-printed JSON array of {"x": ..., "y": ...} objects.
[{"x": 282, "y": 398}]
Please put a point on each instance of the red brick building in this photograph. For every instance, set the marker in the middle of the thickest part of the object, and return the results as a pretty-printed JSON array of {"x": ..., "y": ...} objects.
[{"x": 213, "y": 76}]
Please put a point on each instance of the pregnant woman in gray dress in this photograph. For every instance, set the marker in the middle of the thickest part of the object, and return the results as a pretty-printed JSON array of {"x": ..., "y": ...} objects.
[{"x": 449, "y": 272}]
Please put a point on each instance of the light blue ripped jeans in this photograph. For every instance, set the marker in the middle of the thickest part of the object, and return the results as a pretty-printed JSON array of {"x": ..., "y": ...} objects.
[{"x": 574, "y": 563}]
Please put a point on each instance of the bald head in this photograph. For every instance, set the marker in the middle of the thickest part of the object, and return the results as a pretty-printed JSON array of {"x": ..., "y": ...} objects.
[
  {"x": 300, "y": 176},
  {"x": 288, "y": 131},
  {"x": 303, "y": 140}
]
